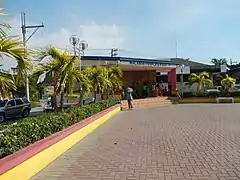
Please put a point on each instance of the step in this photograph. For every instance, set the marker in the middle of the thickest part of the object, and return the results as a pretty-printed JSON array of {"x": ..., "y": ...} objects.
[{"x": 148, "y": 102}]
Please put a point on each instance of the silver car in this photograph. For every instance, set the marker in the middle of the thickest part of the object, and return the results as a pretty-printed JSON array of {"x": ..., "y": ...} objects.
[{"x": 11, "y": 108}]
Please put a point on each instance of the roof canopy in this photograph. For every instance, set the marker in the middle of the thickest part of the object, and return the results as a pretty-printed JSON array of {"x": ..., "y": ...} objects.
[{"x": 134, "y": 64}]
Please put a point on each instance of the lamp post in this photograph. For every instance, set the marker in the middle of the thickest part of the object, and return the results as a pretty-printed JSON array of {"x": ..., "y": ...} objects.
[
  {"x": 181, "y": 78},
  {"x": 82, "y": 47},
  {"x": 74, "y": 40}
]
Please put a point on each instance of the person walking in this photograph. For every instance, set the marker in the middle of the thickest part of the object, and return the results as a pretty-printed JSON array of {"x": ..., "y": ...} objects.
[{"x": 129, "y": 97}]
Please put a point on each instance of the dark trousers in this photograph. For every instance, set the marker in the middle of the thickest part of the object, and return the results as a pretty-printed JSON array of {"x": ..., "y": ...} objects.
[{"x": 130, "y": 106}]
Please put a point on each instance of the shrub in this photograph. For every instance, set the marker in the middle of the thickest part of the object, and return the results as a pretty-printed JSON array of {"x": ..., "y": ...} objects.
[
  {"x": 187, "y": 94},
  {"x": 23, "y": 133}
]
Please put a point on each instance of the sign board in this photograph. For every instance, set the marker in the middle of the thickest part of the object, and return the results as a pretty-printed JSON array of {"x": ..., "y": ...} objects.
[
  {"x": 137, "y": 63},
  {"x": 224, "y": 68},
  {"x": 183, "y": 70}
]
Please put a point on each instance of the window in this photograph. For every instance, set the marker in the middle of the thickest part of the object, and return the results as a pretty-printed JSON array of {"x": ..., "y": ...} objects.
[
  {"x": 19, "y": 101},
  {"x": 2, "y": 103},
  {"x": 11, "y": 103},
  {"x": 25, "y": 100}
]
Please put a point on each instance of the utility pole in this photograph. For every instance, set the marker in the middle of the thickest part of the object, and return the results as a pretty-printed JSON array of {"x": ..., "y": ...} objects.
[
  {"x": 74, "y": 40},
  {"x": 25, "y": 40}
]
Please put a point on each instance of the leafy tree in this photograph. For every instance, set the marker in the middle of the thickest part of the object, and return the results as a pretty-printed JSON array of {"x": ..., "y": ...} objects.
[{"x": 202, "y": 80}]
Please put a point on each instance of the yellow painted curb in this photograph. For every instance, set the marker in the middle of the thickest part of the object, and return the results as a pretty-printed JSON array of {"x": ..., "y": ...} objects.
[{"x": 36, "y": 163}]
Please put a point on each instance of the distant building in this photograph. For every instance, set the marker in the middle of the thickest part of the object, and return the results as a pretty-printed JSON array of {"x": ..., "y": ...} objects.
[
  {"x": 190, "y": 67},
  {"x": 135, "y": 70}
]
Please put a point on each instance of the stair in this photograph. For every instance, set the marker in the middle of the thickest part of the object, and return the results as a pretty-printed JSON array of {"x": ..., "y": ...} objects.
[{"x": 147, "y": 102}]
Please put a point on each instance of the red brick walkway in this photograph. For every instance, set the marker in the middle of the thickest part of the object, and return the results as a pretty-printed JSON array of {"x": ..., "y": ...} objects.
[{"x": 174, "y": 142}]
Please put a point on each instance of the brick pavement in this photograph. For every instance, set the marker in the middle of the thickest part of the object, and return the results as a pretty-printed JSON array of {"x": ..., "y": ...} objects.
[{"x": 166, "y": 143}]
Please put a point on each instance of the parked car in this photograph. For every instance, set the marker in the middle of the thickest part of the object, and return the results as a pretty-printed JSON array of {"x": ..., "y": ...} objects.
[
  {"x": 10, "y": 108},
  {"x": 213, "y": 92}
]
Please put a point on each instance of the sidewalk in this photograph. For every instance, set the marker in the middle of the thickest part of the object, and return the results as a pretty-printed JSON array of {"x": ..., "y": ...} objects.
[{"x": 166, "y": 143}]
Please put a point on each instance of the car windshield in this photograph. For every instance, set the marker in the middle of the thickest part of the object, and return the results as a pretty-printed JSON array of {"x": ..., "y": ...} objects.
[{"x": 3, "y": 103}]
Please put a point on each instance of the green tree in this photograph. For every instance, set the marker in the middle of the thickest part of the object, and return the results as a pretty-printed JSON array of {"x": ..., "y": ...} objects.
[
  {"x": 202, "y": 80},
  {"x": 228, "y": 82}
]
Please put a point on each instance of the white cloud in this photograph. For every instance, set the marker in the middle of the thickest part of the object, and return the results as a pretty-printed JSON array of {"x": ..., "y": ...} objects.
[{"x": 98, "y": 36}]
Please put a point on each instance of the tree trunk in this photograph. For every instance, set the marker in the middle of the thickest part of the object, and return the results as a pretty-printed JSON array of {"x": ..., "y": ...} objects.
[
  {"x": 62, "y": 100},
  {"x": 55, "y": 80},
  {"x": 95, "y": 96}
]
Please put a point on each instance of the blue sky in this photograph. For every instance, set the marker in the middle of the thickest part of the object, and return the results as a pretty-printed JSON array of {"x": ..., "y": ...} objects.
[{"x": 203, "y": 29}]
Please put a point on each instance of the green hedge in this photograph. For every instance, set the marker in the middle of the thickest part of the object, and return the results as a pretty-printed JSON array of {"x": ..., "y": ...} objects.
[{"x": 25, "y": 132}]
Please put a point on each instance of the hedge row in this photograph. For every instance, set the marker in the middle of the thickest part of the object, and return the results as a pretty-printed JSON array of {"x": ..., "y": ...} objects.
[
  {"x": 23, "y": 133},
  {"x": 211, "y": 94}
]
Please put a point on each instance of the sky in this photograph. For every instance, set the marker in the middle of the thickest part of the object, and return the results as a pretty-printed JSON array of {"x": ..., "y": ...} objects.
[{"x": 139, "y": 28}]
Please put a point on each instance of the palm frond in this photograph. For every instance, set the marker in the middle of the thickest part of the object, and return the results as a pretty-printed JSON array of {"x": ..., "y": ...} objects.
[
  {"x": 13, "y": 48},
  {"x": 6, "y": 85},
  {"x": 3, "y": 25}
]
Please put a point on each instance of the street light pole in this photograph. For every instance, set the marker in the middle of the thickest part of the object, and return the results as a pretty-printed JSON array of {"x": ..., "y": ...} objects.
[
  {"x": 24, "y": 32},
  {"x": 74, "y": 40},
  {"x": 82, "y": 47}
]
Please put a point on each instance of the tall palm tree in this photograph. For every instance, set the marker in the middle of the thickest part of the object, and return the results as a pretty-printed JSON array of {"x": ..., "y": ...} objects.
[
  {"x": 63, "y": 68},
  {"x": 98, "y": 77},
  {"x": 202, "y": 80},
  {"x": 115, "y": 76},
  {"x": 228, "y": 82}
]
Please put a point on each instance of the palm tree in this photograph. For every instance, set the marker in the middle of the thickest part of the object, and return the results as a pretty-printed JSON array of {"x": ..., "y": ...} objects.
[
  {"x": 63, "y": 68},
  {"x": 219, "y": 62},
  {"x": 228, "y": 82},
  {"x": 98, "y": 76},
  {"x": 115, "y": 76},
  {"x": 202, "y": 80}
]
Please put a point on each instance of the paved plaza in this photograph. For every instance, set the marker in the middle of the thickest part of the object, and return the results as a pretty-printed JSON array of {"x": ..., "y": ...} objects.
[{"x": 200, "y": 141}]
